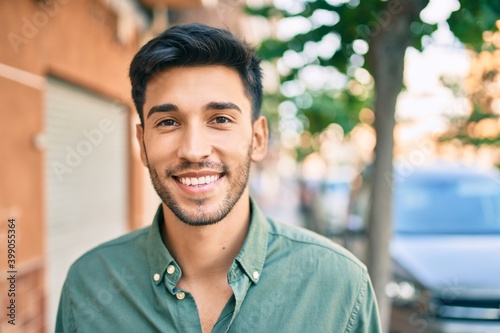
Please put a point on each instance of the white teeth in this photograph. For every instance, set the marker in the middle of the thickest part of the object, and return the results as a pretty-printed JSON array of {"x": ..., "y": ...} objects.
[{"x": 199, "y": 181}]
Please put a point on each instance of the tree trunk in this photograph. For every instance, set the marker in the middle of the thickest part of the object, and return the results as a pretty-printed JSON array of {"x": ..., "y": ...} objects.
[{"x": 387, "y": 50}]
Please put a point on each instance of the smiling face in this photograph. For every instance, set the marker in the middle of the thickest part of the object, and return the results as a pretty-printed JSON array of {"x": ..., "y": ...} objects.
[{"x": 198, "y": 141}]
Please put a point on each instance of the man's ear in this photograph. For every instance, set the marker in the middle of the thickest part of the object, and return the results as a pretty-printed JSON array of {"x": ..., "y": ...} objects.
[
  {"x": 139, "y": 134},
  {"x": 259, "y": 139}
]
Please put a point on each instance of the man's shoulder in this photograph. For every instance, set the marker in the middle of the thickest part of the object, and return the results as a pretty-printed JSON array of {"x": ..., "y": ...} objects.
[
  {"x": 303, "y": 242},
  {"x": 111, "y": 252}
]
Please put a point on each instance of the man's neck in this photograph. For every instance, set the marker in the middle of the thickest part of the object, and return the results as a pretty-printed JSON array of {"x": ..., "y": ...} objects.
[{"x": 205, "y": 252}]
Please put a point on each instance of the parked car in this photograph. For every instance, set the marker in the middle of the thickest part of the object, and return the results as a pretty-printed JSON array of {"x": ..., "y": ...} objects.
[{"x": 445, "y": 250}]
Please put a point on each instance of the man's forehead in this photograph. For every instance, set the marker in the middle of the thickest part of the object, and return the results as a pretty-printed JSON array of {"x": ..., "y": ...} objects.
[{"x": 196, "y": 84}]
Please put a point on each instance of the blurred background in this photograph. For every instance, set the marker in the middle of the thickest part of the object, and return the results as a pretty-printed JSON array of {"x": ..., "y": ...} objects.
[{"x": 384, "y": 137}]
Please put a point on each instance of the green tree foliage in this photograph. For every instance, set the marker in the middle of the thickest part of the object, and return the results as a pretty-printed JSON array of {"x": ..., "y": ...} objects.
[
  {"x": 474, "y": 18},
  {"x": 356, "y": 21},
  {"x": 350, "y": 25}
]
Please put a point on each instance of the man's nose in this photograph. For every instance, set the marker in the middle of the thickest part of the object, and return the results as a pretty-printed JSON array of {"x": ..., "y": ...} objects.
[{"x": 194, "y": 145}]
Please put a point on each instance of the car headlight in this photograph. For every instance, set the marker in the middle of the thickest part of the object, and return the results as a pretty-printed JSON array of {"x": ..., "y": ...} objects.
[{"x": 402, "y": 292}]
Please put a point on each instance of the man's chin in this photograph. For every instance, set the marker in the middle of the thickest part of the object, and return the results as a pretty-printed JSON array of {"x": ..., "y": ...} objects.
[
  {"x": 197, "y": 220},
  {"x": 198, "y": 214}
]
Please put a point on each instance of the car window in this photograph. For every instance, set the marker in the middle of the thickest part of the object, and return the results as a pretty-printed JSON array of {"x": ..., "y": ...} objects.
[{"x": 453, "y": 206}]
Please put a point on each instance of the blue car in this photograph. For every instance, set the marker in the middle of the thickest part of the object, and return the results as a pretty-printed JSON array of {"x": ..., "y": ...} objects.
[{"x": 446, "y": 250}]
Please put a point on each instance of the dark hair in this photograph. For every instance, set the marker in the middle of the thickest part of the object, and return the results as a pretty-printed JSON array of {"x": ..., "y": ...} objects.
[{"x": 196, "y": 45}]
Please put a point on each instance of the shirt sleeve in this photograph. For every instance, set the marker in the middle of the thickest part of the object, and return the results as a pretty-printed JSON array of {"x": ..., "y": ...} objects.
[
  {"x": 65, "y": 320},
  {"x": 365, "y": 316}
]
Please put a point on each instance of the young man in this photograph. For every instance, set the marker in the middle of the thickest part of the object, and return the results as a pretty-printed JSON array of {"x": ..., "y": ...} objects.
[{"x": 210, "y": 261}]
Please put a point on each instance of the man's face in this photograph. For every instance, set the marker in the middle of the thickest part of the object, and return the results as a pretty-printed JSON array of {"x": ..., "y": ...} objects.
[{"x": 198, "y": 141}]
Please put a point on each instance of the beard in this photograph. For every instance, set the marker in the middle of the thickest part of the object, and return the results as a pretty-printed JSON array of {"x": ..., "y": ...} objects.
[{"x": 201, "y": 216}]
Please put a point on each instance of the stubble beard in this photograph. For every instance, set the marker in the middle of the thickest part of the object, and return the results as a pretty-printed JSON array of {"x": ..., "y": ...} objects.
[{"x": 201, "y": 217}]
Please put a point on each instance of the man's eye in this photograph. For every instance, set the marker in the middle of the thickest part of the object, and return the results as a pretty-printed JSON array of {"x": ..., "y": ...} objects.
[
  {"x": 168, "y": 122},
  {"x": 221, "y": 120}
]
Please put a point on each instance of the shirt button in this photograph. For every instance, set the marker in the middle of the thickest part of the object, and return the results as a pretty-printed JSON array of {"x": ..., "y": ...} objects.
[
  {"x": 156, "y": 277},
  {"x": 255, "y": 275},
  {"x": 180, "y": 295},
  {"x": 170, "y": 269}
]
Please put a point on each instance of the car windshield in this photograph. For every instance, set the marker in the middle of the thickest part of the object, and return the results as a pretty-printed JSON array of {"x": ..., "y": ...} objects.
[{"x": 450, "y": 206}]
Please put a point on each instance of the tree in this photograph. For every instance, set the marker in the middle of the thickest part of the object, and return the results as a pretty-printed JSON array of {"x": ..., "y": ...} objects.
[{"x": 370, "y": 35}]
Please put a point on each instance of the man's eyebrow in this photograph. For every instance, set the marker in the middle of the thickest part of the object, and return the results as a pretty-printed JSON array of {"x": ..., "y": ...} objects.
[
  {"x": 167, "y": 107},
  {"x": 221, "y": 106}
]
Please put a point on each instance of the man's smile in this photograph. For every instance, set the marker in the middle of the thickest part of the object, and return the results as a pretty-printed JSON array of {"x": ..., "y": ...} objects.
[{"x": 198, "y": 181}]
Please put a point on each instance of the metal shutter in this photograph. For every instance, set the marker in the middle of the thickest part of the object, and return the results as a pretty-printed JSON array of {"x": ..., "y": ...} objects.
[{"x": 86, "y": 178}]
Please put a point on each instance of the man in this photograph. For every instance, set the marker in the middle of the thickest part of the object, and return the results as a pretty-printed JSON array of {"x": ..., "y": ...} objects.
[{"x": 210, "y": 261}]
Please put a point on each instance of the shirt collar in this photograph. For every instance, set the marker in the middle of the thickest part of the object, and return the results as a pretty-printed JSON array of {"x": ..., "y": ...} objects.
[
  {"x": 251, "y": 257},
  {"x": 253, "y": 253},
  {"x": 158, "y": 256}
]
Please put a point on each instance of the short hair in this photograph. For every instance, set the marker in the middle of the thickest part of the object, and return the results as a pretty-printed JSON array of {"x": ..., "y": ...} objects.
[{"x": 196, "y": 45}]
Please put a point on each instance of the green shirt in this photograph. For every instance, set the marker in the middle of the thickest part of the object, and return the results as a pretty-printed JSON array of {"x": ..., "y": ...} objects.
[{"x": 285, "y": 279}]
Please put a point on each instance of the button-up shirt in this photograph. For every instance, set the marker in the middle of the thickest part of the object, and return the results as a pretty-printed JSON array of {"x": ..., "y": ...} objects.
[{"x": 284, "y": 279}]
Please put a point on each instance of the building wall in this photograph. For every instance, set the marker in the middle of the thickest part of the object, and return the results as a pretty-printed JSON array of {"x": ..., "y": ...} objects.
[{"x": 76, "y": 41}]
